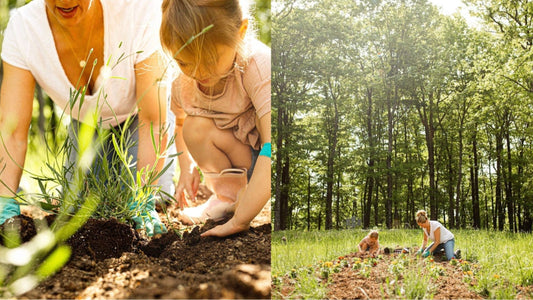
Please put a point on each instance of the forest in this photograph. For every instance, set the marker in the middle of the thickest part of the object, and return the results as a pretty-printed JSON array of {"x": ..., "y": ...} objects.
[{"x": 385, "y": 107}]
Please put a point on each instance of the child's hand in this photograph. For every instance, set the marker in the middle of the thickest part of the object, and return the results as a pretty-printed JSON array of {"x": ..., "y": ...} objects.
[
  {"x": 188, "y": 183},
  {"x": 226, "y": 229}
]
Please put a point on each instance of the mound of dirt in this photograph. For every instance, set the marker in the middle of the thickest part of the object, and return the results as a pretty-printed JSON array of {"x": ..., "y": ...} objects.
[{"x": 111, "y": 260}]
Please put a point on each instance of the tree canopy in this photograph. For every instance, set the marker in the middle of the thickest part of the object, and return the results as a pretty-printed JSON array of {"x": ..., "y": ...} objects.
[{"x": 384, "y": 107}]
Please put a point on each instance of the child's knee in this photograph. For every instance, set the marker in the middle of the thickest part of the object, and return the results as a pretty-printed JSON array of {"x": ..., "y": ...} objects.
[{"x": 195, "y": 129}]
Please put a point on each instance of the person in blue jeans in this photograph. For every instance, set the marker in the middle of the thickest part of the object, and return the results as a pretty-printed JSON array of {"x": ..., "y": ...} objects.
[{"x": 442, "y": 238}]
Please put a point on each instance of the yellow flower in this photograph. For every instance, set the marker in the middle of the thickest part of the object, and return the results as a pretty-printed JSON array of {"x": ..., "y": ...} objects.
[
  {"x": 469, "y": 273},
  {"x": 496, "y": 276}
]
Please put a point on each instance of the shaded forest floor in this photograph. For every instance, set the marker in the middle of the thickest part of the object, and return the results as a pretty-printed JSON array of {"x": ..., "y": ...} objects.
[
  {"x": 395, "y": 275},
  {"x": 111, "y": 260}
]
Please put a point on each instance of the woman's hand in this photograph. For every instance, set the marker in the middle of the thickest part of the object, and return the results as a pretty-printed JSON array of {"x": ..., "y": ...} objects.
[{"x": 188, "y": 183}]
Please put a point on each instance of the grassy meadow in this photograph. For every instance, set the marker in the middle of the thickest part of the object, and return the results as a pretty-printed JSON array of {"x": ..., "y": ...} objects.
[{"x": 505, "y": 259}]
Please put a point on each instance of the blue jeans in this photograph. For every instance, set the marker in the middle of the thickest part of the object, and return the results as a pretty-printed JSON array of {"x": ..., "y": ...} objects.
[
  {"x": 255, "y": 156},
  {"x": 448, "y": 248}
]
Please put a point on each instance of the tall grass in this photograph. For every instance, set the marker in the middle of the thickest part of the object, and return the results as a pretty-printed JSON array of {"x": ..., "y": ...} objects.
[
  {"x": 504, "y": 259},
  {"x": 301, "y": 248}
]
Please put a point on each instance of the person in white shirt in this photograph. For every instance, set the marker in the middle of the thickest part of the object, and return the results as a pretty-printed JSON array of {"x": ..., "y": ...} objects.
[
  {"x": 442, "y": 238},
  {"x": 107, "y": 49}
]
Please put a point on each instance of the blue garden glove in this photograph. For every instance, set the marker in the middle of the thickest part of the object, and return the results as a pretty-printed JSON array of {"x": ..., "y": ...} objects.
[
  {"x": 425, "y": 254},
  {"x": 147, "y": 218},
  {"x": 419, "y": 251},
  {"x": 8, "y": 208}
]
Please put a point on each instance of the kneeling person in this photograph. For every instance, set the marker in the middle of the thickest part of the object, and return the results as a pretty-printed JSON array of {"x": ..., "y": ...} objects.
[{"x": 370, "y": 243}]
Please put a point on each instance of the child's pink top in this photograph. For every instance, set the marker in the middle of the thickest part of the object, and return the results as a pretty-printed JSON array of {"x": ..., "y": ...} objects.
[
  {"x": 370, "y": 243},
  {"x": 245, "y": 96}
]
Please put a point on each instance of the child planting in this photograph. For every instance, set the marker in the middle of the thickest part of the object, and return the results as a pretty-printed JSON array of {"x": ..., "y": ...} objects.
[
  {"x": 222, "y": 104},
  {"x": 370, "y": 244}
]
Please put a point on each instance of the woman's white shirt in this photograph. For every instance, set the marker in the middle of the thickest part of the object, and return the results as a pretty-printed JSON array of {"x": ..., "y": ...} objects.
[
  {"x": 445, "y": 234},
  {"x": 131, "y": 34}
]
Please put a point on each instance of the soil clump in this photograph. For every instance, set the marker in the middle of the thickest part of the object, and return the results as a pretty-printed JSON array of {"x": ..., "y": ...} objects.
[{"x": 111, "y": 260}]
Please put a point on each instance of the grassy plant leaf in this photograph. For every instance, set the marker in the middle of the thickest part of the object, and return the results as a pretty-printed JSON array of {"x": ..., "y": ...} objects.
[{"x": 54, "y": 262}]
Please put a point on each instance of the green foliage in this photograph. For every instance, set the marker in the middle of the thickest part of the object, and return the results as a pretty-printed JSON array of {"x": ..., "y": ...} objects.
[
  {"x": 381, "y": 108},
  {"x": 498, "y": 261},
  {"x": 416, "y": 286},
  {"x": 263, "y": 19},
  {"x": 23, "y": 266},
  {"x": 308, "y": 286}
]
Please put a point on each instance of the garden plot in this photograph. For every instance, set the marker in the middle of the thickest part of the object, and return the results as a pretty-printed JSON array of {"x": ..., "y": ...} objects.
[{"x": 397, "y": 275}]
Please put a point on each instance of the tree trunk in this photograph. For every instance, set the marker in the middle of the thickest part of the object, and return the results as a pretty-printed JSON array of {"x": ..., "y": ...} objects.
[
  {"x": 369, "y": 187},
  {"x": 338, "y": 202},
  {"x": 509, "y": 179},
  {"x": 523, "y": 218},
  {"x": 429, "y": 128},
  {"x": 388, "y": 198},
  {"x": 376, "y": 206},
  {"x": 308, "y": 200},
  {"x": 475, "y": 184},
  {"x": 319, "y": 220},
  {"x": 332, "y": 156},
  {"x": 280, "y": 158},
  {"x": 451, "y": 203},
  {"x": 458, "y": 194},
  {"x": 282, "y": 186},
  {"x": 354, "y": 205},
  {"x": 500, "y": 214}
]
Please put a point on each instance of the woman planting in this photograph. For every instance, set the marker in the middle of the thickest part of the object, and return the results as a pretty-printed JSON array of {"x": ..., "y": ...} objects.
[
  {"x": 106, "y": 49},
  {"x": 442, "y": 238}
]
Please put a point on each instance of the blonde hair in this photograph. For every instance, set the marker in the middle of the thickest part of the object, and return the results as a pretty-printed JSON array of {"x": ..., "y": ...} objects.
[
  {"x": 421, "y": 216},
  {"x": 373, "y": 234},
  {"x": 183, "y": 19}
]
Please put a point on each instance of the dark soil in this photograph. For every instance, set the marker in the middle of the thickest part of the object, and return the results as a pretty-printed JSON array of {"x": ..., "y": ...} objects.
[{"x": 112, "y": 260}]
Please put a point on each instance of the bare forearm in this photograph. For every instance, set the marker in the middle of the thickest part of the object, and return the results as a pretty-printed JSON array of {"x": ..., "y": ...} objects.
[
  {"x": 11, "y": 163},
  {"x": 257, "y": 193},
  {"x": 435, "y": 245},
  {"x": 16, "y": 102},
  {"x": 424, "y": 243}
]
